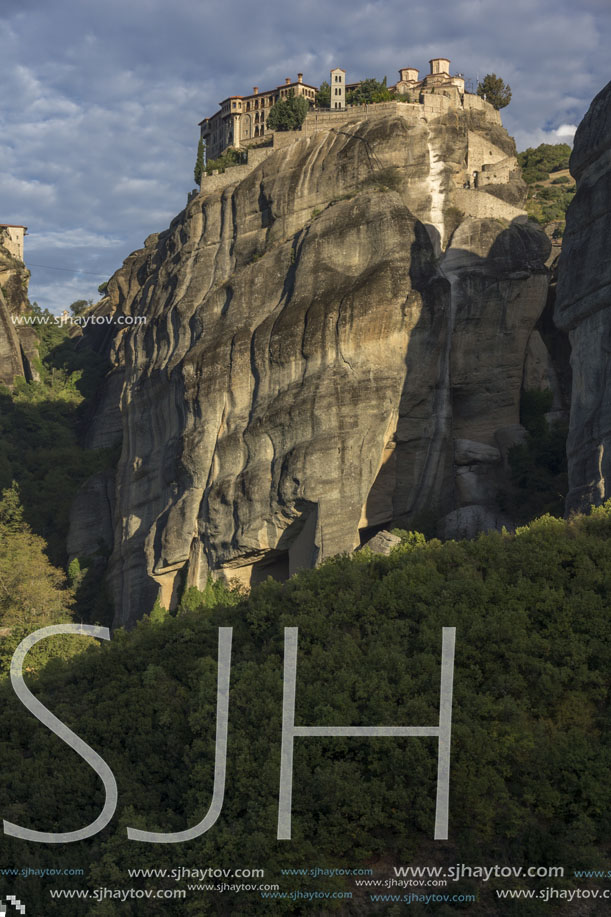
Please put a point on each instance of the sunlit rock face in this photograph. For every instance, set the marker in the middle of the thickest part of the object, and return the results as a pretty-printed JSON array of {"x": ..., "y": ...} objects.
[
  {"x": 334, "y": 345},
  {"x": 583, "y": 307},
  {"x": 18, "y": 343}
]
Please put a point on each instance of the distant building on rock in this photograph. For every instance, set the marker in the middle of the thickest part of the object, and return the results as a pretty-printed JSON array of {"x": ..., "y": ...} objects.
[
  {"x": 338, "y": 89},
  {"x": 438, "y": 78},
  {"x": 242, "y": 120},
  {"x": 11, "y": 237}
]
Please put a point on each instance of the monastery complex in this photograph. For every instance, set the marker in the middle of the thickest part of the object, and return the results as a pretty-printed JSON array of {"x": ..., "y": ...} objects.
[
  {"x": 241, "y": 124},
  {"x": 242, "y": 119}
]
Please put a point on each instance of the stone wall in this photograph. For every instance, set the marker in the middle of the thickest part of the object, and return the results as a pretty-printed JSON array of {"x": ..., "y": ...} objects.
[
  {"x": 234, "y": 173},
  {"x": 332, "y": 120},
  {"x": 475, "y": 103},
  {"x": 484, "y": 206},
  {"x": 483, "y": 152},
  {"x": 283, "y": 139},
  {"x": 498, "y": 172},
  {"x": 433, "y": 105}
]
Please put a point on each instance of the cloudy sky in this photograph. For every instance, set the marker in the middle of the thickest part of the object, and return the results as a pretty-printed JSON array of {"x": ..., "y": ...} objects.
[{"x": 100, "y": 101}]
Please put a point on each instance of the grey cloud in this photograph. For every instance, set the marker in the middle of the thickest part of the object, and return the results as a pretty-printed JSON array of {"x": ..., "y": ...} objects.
[{"x": 98, "y": 128}]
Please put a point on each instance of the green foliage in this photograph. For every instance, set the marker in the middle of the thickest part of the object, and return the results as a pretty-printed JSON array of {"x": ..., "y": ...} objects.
[
  {"x": 547, "y": 202},
  {"x": 534, "y": 405},
  {"x": 225, "y": 161},
  {"x": 103, "y": 287},
  {"x": 546, "y": 158},
  {"x": 39, "y": 439},
  {"x": 288, "y": 114},
  {"x": 531, "y": 747},
  {"x": 323, "y": 96},
  {"x": 538, "y": 466},
  {"x": 32, "y": 592},
  {"x": 494, "y": 90},
  {"x": 80, "y": 306},
  {"x": 369, "y": 91},
  {"x": 11, "y": 510},
  {"x": 216, "y": 592},
  {"x": 199, "y": 163},
  {"x": 159, "y": 613}
]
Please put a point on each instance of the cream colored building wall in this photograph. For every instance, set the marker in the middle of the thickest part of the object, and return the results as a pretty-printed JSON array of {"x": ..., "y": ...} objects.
[
  {"x": 475, "y": 103},
  {"x": 324, "y": 120},
  {"x": 12, "y": 239},
  {"x": 482, "y": 152},
  {"x": 338, "y": 89},
  {"x": 436, "y": 104}
]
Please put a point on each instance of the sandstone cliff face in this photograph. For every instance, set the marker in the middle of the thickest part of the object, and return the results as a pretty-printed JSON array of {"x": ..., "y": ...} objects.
[
  {"x": 18, "y": 344},
  {"x": 583, "y": 307},
  {"x": 335, "y": 343}
]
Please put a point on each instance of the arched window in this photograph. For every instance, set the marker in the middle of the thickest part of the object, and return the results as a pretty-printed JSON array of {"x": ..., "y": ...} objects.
[{"x": 256, "y": 131}]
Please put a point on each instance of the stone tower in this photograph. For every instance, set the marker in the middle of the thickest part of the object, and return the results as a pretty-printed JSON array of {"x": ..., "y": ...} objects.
[
  {"x": 338, "y": 89},
  {"x": 440, "y": 65}
]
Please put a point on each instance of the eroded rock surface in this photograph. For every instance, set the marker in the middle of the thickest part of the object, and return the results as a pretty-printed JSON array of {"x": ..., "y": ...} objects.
[
  {"x": 18, "y": 343},
  {"x": 322, "y": 339},
  {"x": 583, "y": 307}
]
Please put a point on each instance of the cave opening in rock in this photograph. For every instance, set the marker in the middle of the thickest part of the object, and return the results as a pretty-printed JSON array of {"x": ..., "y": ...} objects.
[
  {"x": 275, "y": 564},
  {"x": 367, "y": 533}
]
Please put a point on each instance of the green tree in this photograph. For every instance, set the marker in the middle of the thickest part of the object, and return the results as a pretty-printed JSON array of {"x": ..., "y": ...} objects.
[
  {"x": 369, "y": 90},
  {"x": 199, "y": 163},
  {"x": 531, "y": 746},
  {"x": 80, "y": 306},
  {"x": 32, "y": 592},
  {"x": 323, "y": 96},
  {"x": 228, "y": 158},
  {"x": 11, "y": 511},
  {"x": 494, "y": 90},
  {"x": 537, "y": 162},
  {"x": 288, "y": 114}
]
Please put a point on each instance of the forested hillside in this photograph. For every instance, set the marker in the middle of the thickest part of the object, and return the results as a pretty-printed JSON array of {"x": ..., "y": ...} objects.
[
  {"x": 551, "y": 187},
  {"x": 531, "y": 739}
]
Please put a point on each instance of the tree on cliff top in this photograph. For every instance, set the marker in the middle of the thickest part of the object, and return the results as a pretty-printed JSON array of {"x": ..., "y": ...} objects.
[
  {"x": 323, "y": 96},
  {"x": 199, "y": 163},
  {"x": 369, "y": 90},
  {"x": 288, "y": 115},
  {"x": 494, "y": 90}
]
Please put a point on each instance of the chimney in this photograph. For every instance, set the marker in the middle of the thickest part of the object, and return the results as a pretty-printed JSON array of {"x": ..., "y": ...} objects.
[
  {"x": 287, "y": 80},
  {"x": 255, "y": 89},
  {"x": 300, "y": 77}
]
